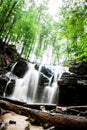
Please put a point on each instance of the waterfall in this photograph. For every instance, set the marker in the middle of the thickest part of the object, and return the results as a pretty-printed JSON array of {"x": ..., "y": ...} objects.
[
  {"x": 37, "y": 85},
  {"x": 26, "y": 88},
  {"x": 50, "y": 93}
]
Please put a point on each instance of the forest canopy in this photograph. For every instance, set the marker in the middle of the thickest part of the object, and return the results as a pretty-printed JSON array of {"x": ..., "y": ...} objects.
[{"x": 34, "y": 30}]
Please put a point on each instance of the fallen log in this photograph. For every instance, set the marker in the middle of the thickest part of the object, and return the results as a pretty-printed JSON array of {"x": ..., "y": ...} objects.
[
  {"x": 67, "y": 109},
  {"x": 31, "y": 105},
  {"x": 58, "y": 120},
  {"x": 73, "y": 110}
]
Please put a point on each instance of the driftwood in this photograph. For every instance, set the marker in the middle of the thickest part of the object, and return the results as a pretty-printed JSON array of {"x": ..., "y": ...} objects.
[{"x": 54, "y": 119}]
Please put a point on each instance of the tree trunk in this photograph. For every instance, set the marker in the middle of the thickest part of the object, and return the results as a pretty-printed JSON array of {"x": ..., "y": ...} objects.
[
  {"x": 8, "y": 16},
  {"x": 1, "y": 1},
  {"x": 58, "y": 120},
  {"x": 9, "y": 30}
]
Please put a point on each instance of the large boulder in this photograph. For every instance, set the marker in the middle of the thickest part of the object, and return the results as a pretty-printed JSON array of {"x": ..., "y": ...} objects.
[
  {"x": 20, "y": 68},
  {"x": 73, "y": 86}
]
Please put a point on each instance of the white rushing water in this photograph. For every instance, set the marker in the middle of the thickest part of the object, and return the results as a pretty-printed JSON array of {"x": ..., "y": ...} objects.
[{"x": 27, "y": 88}]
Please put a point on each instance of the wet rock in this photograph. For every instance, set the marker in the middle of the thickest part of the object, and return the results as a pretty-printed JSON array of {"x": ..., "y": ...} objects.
[
  {"x": 36, "y": 66},
  {"x": 73, "y": 86},
  {"x": 3, "y": 82},
  {"x": 3, "y": 71},
  {"x": 43, "y": 80},
  {"x": 79, "y": 68},
  {"x": 46, "y": 71},
  {"x": 68, "y": 79},
  {"x": 10, "y": 87},
  {"x": 20, "y": 68},
  {"x": 67, "y": 90}
]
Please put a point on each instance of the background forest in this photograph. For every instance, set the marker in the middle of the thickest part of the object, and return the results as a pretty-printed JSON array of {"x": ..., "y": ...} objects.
[{"x": 34, "y": 30}]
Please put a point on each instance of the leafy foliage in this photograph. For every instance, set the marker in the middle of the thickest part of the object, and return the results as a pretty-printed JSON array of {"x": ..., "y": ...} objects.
[
  {"x": 73, "y": 28},
  {"x": 32, "y": 29}
]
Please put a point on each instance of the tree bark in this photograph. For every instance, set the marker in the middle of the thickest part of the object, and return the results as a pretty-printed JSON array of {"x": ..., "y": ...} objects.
[
  {"x": 58, "y": 120},
  {"x": 33, "y": 105}
]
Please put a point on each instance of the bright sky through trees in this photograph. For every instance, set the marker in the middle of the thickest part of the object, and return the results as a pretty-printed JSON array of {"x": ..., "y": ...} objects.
[{"x": 54, "y": 6}]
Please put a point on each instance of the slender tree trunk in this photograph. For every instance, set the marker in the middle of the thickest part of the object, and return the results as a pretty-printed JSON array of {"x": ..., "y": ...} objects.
[
  {"x": 22, "y": 50},
  {"x": 8, "y": 32},
  {"x": 1, "y": 1},
  {"x": 28, "y": 53},
  {"x": 8, "y": 15}
]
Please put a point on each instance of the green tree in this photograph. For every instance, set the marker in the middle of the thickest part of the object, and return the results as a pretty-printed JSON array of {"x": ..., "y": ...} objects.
[
  {"x": 18, "y": 25},
  {"x": 73, "y": 25}
]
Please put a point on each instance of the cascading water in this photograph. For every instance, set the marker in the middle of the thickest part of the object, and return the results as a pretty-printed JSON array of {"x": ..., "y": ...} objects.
[
  {"x": 26, "y": 87},
  {"x": 50, "y": 93},
  {"x": 30, "y": 89}
]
